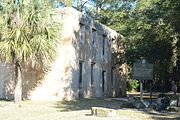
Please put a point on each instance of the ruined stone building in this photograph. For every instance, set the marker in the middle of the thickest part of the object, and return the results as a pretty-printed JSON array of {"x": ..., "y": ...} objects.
[{"x": 83, "y": 68}]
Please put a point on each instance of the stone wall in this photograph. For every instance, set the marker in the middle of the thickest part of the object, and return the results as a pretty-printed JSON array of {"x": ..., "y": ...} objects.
[
  {"x": 83, "y": 67},
  {"x": 93, "y": 45},
  {"x": 6, "y": 81}
]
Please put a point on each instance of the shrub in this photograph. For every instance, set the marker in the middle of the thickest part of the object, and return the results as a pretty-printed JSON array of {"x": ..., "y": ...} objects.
[{"x": 132, "y": 85}]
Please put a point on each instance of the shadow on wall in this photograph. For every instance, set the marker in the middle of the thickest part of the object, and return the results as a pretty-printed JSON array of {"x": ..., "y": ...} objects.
[
  {"x": 32, "y": 78},
  {"x": 64, "y": 91},
  {"x": 8, "y": 88},
  {"x": 6, "y": 81}
]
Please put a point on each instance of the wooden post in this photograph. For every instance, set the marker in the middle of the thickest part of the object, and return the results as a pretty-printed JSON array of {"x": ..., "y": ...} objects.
[
  {"x": 151, "y": 92},
  {"x": 141, "y": 89}
]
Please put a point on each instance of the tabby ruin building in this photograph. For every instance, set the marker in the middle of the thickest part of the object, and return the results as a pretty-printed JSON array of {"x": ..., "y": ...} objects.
[{"x": 83, "y": 68}]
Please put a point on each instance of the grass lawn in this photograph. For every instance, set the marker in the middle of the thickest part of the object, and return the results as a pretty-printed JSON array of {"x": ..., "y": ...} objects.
[{"x": 75, "y": 110}]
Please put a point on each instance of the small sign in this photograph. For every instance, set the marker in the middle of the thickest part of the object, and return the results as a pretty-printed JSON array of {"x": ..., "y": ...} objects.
[{"x": 142, "y": 71}]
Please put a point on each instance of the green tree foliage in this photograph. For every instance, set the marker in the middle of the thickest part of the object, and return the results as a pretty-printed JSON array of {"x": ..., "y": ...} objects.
[
  {"x": 65, "y": 3},
  {"x": 132, "y": 85},
  {"x": 151, "y": 31},
  {"x": 28, "y": 36}
]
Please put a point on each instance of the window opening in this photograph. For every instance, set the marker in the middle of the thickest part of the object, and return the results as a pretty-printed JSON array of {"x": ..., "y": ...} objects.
[
  {"x": 94, "y": 36},
  {"x": 103, "y": 47},
  {"x": 81, "y": 33},
  {"x": 80, "y": 95},
  {"x": 92, "y": 73},
  {"x": 103, "y": 81}
]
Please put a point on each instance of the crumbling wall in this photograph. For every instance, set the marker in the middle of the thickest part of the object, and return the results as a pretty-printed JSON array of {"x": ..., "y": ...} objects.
[
  {"x": 6, "y": 81},
  {"x": 83, "y": 66}
]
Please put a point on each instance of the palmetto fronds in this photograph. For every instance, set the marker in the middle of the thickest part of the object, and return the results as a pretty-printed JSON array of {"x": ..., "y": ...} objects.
[{"x": 29, "y": 35}]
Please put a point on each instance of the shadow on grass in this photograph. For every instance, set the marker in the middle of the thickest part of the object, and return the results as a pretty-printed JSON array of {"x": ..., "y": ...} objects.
[
  {"x": 86, "y": 104},
  {"x": 165, "y": 118},
  {"x": 5, "y": 103},
  {"x": 155, "y": 115},
  {"x": 6, "y": 100}
]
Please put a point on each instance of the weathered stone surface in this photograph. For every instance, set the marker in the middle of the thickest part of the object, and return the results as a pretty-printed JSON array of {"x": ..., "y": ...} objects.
[
  {"x": 132, "y": 99},
  {"x": 140, "y": 104},
  {"x": 162, "y": 102},
  {"x": 173, "y": 109},
  {"x": 102, "y": 112},
  {"x": 169, "y": 103},
  {"x": 86, "y": 42},
  {"x": 134, "y": 102},
  {"x": 6, "y": 81},
  {"x": 173, "y": 102}
]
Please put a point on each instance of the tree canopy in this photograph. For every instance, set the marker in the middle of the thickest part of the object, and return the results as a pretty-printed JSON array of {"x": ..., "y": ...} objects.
[{"x": 151, "y": 31}]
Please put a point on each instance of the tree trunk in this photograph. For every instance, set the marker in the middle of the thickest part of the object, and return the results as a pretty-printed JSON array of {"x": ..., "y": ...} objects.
[
  {"x": 18, "y": 77},
  {"x": 18, "y": 84}
]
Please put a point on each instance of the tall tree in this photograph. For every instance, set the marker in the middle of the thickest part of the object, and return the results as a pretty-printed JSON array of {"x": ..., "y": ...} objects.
[
  {"x": 28, "y": 36},
  {"x": 100, "y": 4},
  {"x": 65, "y": 3},
  {"x": 151, "y": 31}
]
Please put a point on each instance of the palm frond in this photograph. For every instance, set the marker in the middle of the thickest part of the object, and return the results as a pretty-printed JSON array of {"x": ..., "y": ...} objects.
[{"x": 28, "y": 32}]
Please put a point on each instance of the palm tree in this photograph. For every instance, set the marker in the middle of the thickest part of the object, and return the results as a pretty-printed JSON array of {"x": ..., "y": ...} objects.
[{"x": 28, "y": 36}]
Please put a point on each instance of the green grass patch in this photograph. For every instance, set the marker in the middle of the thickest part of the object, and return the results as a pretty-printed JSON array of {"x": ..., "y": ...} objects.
[
  {"x": 73, "y": 110},
  {"x": 86, "y": 104}
]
